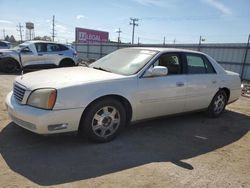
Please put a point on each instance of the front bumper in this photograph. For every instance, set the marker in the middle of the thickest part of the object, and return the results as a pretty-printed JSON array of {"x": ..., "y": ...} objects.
[{"x": 43, "y": 121}]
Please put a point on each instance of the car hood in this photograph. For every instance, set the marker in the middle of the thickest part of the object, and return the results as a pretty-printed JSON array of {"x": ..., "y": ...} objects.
[
  {"x": 7, "y": 51},
  {"x": 64, "y": 77}
]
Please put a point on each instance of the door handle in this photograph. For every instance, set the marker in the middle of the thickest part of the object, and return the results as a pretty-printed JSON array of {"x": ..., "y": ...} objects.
[
  {"x": 40, "y": 54},
  {"x": 60, "y": 54},
  {"x": 179, "y": 84}
]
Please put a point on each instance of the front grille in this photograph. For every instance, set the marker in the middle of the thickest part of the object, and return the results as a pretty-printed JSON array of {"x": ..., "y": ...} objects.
[{"x": 18, "y": 93}]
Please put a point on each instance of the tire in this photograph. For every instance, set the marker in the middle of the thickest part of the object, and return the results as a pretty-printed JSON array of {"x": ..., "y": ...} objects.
[
  {"x": 217, "y": 105},
  {"x": 103, "y": 120},
  {"x": 10, "y": 65},
  {"x": 67, "y": 63}
]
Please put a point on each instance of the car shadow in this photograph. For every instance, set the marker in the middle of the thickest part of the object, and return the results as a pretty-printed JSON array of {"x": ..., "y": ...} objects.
[
  {"x": 52, "y": 160},
  {"x": 15, "y": 74}
]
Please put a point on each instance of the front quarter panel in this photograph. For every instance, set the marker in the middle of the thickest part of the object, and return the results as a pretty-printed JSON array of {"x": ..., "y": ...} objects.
[{"x": 81, "y": 95}]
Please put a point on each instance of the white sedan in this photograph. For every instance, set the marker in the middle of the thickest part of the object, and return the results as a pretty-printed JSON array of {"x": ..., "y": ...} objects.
[{"x": 127, "y": 85}]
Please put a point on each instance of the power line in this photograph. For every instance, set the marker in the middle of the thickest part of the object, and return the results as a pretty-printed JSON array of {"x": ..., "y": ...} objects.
[
  {"x": 20, "y": 30},
  {"x": 53, "y": 28},
  {"x": 133, "y": 23},
  {"x": 119, "y": 35}
]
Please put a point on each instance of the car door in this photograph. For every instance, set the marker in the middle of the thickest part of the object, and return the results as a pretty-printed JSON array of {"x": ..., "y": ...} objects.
[
  {"x": 202, "y": 81},
  {"x": 163, "y": 95},
  {"x": 28, "y": 57},
  {"x": 53, "y": 54}
]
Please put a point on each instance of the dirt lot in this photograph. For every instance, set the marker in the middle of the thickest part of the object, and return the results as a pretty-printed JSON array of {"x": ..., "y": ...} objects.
[{"x": 185, "y": 151}]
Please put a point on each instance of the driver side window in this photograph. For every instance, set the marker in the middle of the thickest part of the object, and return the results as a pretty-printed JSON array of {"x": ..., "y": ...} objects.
[
  {"x": 26, "y": 50},
  {"x": 171, "y": 61}
]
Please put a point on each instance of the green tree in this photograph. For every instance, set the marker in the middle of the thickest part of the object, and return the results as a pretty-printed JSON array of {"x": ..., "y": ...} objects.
[
  {"x": 12, "y": 39},
  {"x": 7, "y": 38},
  {"x": 46, "y": 38}
]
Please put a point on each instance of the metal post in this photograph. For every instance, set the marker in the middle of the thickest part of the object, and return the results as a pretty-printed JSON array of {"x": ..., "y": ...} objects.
[
  {"x": 245, "y": 58},
  {"x": 76, "y": 39},
  {"x": 88, "y": 50},
  {"x": 101, "y": 49}
]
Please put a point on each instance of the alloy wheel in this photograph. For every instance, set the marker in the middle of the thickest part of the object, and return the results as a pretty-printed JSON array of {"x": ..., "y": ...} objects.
[{"x": 106, "y": 121}]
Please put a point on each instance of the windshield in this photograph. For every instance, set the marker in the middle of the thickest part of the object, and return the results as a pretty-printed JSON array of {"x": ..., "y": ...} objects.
[{"x": 124, "y": 61}]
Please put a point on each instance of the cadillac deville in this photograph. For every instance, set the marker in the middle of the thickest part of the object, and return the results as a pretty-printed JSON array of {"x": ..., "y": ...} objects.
[{"x": 125, "y": 86}]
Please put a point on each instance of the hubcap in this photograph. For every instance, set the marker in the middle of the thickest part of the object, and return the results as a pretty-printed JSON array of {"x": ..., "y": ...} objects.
[
  {"x": 106, "y": 121},
  {"x": 219, "y": 104}
]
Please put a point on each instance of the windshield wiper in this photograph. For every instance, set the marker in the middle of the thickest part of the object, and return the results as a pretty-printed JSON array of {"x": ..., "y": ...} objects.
[{"x": 100, "y": 68}]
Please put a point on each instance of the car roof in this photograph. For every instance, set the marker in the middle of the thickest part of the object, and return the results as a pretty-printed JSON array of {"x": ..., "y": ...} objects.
[
  {"x": 41, "y": 41},
  {"x": 165, "y": 49}
]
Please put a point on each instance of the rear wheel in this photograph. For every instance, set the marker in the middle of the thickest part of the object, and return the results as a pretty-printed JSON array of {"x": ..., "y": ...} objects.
[
  {"x": 67, "y": 63},
  {"x": 218, "y": 104},
  {"x": 103, "y": 120}
]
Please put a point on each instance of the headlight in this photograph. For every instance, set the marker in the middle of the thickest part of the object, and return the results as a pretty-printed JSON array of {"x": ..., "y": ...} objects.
[{"x": 43, "y": 98}]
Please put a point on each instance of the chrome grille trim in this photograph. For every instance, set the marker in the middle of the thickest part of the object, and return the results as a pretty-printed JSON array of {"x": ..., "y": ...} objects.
[{"x": 18, "y": 92}]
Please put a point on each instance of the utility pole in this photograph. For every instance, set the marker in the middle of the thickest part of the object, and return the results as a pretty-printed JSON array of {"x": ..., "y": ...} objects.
[
  {"x": 119, "y": 35},
  {"x": 200, "y": 40},
  {"x": 164, "y": 40},
  {"x": 20, "y": 30},
  {"x": 53, "y": 29},
  {"x": 3, "y": 34},
  {"x": 138, "y": 40},
  {"x": 133, "y": 23}
]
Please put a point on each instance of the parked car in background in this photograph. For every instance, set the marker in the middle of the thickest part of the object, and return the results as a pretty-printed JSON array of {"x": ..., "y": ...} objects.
[
  {"x": 37, "y": 54},
  {"x": 5, "y": 45},
  {"x": 129, "y": 84}
]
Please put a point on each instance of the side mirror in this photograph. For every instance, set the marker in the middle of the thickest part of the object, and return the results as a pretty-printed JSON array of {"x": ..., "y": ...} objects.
[{"x": 156, "y": 71}]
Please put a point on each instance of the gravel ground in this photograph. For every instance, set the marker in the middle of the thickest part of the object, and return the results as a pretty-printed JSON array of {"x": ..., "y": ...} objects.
[{"x": 185, "y": 151}]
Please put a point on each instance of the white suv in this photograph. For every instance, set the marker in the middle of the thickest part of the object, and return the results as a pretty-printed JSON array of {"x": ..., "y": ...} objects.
[{"x": 39, "y": 54}]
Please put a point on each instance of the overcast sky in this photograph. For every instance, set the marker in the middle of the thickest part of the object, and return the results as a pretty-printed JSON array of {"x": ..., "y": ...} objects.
[{"x": 180, "y": 20}]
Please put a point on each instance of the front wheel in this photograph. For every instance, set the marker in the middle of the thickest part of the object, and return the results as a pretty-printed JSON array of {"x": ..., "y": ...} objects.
[
  {"x": 103, "y": 120},
  {"x": 218, "y": 104},
  {"x": 10, "y": 66}
]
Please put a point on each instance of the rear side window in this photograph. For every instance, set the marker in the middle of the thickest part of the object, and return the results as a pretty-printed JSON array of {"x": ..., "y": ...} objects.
[
  {"x": 198, "y": 65},
  {"x": 62, "y": 47},
  {"x": 53, "y": 48}
]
